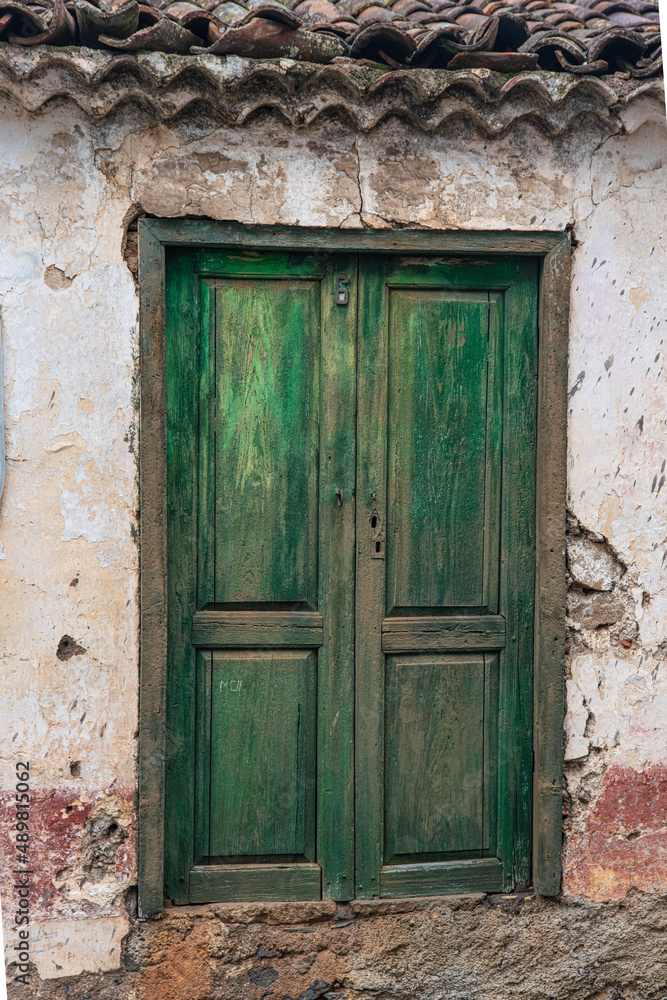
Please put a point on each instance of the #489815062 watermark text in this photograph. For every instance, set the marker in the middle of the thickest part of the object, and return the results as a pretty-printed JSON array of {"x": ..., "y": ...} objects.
[{"x": 22, "y": 872}]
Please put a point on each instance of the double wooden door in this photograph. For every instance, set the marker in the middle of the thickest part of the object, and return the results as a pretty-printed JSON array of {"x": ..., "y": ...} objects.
[{"x": 351, "y": 505}]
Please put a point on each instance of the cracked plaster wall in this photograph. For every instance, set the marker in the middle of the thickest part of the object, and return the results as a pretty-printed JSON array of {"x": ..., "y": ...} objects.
[{"x": 68, "y": 527}]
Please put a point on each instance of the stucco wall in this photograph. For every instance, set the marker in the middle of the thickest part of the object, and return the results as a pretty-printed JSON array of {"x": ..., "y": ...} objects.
[{"x": 68, "y": 545}]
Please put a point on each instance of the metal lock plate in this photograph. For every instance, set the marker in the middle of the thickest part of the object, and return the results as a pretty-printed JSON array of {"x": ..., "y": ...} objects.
[{"x": 342, "y": 293}]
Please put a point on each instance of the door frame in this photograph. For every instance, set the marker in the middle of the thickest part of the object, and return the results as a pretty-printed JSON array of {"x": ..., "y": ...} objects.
[{"x": 554, "y": 252}]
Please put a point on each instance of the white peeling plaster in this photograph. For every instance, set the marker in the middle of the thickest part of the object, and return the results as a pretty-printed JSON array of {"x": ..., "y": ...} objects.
[
  {"x": 619, "y": 705},
  {"x": 69, "y": 947},
  {"x": 69, "y": 506},
  {"x": 87, "y": 514},
  {"x": 618, "y": 412}
]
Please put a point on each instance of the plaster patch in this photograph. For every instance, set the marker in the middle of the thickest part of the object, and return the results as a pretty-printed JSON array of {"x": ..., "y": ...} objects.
[
  {"x": 617, "y": 704},
  {"x": 70, "y": 947},
  {"x": 625, "y": 843},
  {"x": 576, "y": 744},
  {"x": 62, "y": 441},
  {"x": 96, "y": 521},
  {"x": 83, "y": 857},
  {"x": 610, "y": 510}
]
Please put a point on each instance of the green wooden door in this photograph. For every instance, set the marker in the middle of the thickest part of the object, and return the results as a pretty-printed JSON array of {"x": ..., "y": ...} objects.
[
  {"x": 261, "y": 446},
  {"x": 351, "y": 461},
  {"x": 445, "y": 575}
]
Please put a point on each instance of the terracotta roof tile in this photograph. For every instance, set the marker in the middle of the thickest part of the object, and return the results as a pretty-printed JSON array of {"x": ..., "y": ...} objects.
[{"x": 594, "y": 37}]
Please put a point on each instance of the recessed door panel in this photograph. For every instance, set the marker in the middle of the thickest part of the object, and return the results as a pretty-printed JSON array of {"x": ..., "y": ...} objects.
[
  {"x": 434, "y": 757},
  {"x": 266, "y": 430},
  {"x": 263, "y": 763},
  {"x": 437, "y": 447}
]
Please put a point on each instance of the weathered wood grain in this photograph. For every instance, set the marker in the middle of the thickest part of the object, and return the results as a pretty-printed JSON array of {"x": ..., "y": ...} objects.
[
  {"x": 254, "y": 262},
  {"x": 263, "y": 762},
  {"x": 494, "y": 454},
  {"x": 229, "y": 234},
  {"x": 491, "y": 685},
  {"x": 202, "y": 772},
  {"x": 442, "y": 878},
  {"x": 256, "y": 629},
  {"x": 454, "y": 414},
  {"x": 436, "y": 443},
  {"x": 517, "y": 574},
  {"x": 266, "y": 439},
  {"x": 371, "y": 503},
  {"x": 153, "y": 575},
  {"x": 182, "y": 383},
  {"x": 550, "y": 591},
  {"x": 439, "y": 634},
  {"x": 262, "y": 418},
  {"x": 434, "y": 754},
  {"x": 205, "y": 432},
  {"x": 335, "y": 687},
  {"x": 254, "y": 883}
]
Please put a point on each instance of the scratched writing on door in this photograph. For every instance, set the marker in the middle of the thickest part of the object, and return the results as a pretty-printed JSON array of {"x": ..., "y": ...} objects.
[{"x": 230, "y": 685}]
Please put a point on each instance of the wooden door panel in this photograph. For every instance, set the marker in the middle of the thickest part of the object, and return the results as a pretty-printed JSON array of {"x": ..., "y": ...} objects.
[
  {"x": 437, "y": 436},
  {"x": 266, "y": 430},
  {"x": 441, "y": 750},
  {"x": 257, "y": 629},
  {"x": 253, "y": 883},
  {"x": 440, "y": 878},
  {"x": 440, "y": 633},
  {"x": 434, "y": 756},
  {"x": 263, "y": 762}
]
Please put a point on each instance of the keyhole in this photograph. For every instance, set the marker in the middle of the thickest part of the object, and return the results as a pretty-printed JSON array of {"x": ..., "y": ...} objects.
[
  {"x": 374, "y": 521},
  {"x": 377, "y": 546}
]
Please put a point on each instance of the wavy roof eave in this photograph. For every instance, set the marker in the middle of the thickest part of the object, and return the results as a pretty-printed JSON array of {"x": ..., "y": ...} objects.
[{"x": 234, "y": 88}]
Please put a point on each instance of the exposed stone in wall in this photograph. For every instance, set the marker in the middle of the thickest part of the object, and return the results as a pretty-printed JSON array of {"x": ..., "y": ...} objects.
[
  {"x": 93, "y": 875},
  {"x": 592, "y": 564},
  {"x": 486, "y": 947},
  {"x": 599, "y": 593},
  {"x": 615, "y": 819},
  {"x": 593, "y": 610}
]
